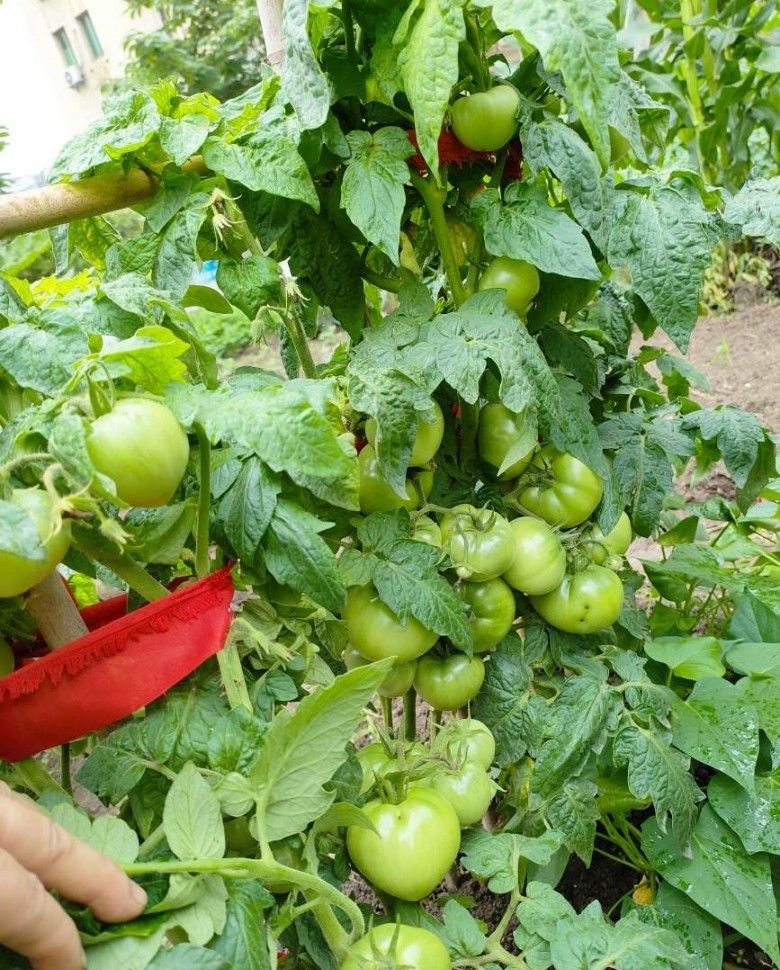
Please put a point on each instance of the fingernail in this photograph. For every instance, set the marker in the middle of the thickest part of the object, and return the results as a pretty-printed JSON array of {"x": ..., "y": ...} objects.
[{"x": 137, "y": 894}]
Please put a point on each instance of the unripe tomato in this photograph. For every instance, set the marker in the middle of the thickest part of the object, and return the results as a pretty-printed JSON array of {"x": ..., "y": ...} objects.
[
  {"x": 17, "y": 575},
  {"x": 479, "y": 542},
  {"x": 540, "y": 560},
  {"x": 484, "y": 122},
  {"x": 142, "y": 448},
  {"x": 374, "y": 760},
  {"x": 584, "y": 602},
  {"x": 409, "y": 947},
  {"x": 493, "y": 611},
  {"x": 467, "y": 739},
  {"x": 519, "y": 278},
  {"x": 426, "y": 530},
  {"x": 463, "y": 238},
  {"x": 469, "y": 789},
  {"x": 448, "y": 683},
  {"x": 415, "y": 843},
  {"x": 570, "y": 494},
  {"x": 376, "y": 632},
  {"x": 602, "y": 547},
  {"x": 500, "y": 432},
  {"x": 397, "y": 682},
  {"x": 375, "y": 493},
  {"x": 7, "y": 659},
  {"x": 426, "y": 441}
]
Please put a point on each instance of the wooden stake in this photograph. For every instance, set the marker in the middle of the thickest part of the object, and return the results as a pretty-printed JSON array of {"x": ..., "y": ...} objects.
[
  {"x": 271, "y": 21},
  {"x": 55, "y": 614}
]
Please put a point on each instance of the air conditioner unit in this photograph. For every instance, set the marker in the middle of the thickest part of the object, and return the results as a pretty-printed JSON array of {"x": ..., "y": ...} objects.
[{"x": 74, "y": 76}]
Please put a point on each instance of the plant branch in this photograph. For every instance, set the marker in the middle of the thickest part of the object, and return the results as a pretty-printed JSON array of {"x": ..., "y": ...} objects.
[
  {"x": 204, "y": 504},
  {"x": 433, "y": 197}
]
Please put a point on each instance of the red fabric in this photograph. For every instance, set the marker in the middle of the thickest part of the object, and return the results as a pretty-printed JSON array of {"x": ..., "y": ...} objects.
[
  {"x": 451, "y": 151},
  {"x": 127, "y": 661}
]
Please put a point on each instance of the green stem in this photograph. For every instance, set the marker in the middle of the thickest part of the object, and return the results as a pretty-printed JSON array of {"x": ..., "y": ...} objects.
[
  {"x": 482, "y": 72},
  {"x": 204, "y": 504},
  {"x": 151, "y": 842},
  {"x": 292, "y": 323},
  {"x": 349, "y": 28},
  {"x": 67, "y": 780},
  {"x": 233, "y": 680},
  {"x": 410, "y": 715},
  {"x": 387, "y": 711},
  {"x": 136, "y": 577},
  {"x": 386, "y": 283},
  {"x": 336, "y": 936},
  {"x": 433, "y": 197},
  {"x": 614, "y": 858}
]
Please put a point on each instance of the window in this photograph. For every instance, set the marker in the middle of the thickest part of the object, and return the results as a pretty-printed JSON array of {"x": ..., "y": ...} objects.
[
  {"x": 90, "y": 34},
  {"x": 64, "y": 44}
]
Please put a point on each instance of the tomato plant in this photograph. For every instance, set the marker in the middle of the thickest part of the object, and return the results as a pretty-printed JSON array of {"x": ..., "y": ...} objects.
[
  {"x": 584, "y": 602},
  {"x": 518, "y": 278},
  {"x": 376, "y": 495},
  {"x": 567, "y": 492},
  {"x": 467, "y": 739},
  {"x": 415, "y": 843},
  {"x": 376, "y": 632},
  {"x": 426, "y": 440},
  {"x": 450, "y": 682},
  {"x": 479, "y": 542},
  {"x": 485, "y": 121},
  {"x": 425, "y": 529},
  {"x": 601, "y": 547},
  {"x": 505, "y": 441},
  {"x": 409, "y": 946},
  {"x": 540, "y": 559},
  {"x": 493, "y": 610}
]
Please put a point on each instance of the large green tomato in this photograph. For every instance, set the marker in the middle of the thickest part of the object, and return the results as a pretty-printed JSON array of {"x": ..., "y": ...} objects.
[
  {"x": 448, "y": 683},
  {"x": 503, "y": 433},
  {"x": 426, "y": 441},
  {"x": 570, "y": 493},
  {"x": 415, "y": 843},
  {"x": 540, "y": 560},
  {"x": 469, "y": 789},
  {"x": 375, "y": 762},
  {"x": 518, "y": 278},
  {"x": 485, "y": 122},
  {"x": 375, "y": 493},
  {"x": 601, "y": 547},
  {"x": 376, "y": 632},
  {"x": 424, "y": 529},
  {"x": 17, "y": 575},
  {"x": 467, "y": 739},
  {"x": 410, "y": 947},
  {"x": 479, "y": 542},
  {"x": 493, "y": 611},
  {"x": 7, "y": 659},
  {"x": 584, "y": 602},
  {"x": 142, "y": 448},
  {"x": 397, "y": 682}
]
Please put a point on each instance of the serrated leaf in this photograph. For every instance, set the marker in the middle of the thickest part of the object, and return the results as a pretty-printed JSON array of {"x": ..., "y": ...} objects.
[
  {"x": 496, "y": 857},
  {"x": 304, "y": 749},
  {"x": 250, "y": 284},
  {"x": 573, "y": 812},
  {"x": 244, "y": 940},
  {"x": 150, "y": 360},
  {"x": 244, "y": 511},
  {"x": 526, "y": 227},
  {"x": 304, "y": 82},
  {"x": 737, "y": 434},
  {"x": 39, "y": 359},
  {"x": 719, "y": 876},
  {"x": 755, "y": 209}
]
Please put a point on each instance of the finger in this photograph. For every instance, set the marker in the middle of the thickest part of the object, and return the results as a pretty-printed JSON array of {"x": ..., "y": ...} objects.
[
  {"x": 31, "y": 922},
  {"x": 66, "y": 864}
]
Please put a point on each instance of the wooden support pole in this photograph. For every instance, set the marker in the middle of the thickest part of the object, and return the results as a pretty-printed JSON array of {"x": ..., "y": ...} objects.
[
  {"x": 56, "y": 615},
  {"x": 270, "y": 12}
]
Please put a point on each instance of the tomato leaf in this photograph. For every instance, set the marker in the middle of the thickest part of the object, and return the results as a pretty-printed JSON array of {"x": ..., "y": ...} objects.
[
  {"x": 698, "y": 931},
  {"x": 691, "y": 658},
  {"x": 737, "y": 433},
  {"x": 251, "y": 284},
  {"x": 755, "y": 209},
  {"x": 244, "y": 941},
  {"x": 573, "y": 812},
  {"x": 244, "y": 511},
  {"x": 304, "y": 82},
  {"x": 192, "y": 818}
]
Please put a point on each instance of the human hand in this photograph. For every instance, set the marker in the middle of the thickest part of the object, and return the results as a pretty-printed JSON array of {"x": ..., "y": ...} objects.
[{"x": 36, "y": 855}]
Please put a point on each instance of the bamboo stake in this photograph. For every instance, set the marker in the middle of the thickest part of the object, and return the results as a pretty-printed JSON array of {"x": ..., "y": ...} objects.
[{"x": 270, "y": 12}]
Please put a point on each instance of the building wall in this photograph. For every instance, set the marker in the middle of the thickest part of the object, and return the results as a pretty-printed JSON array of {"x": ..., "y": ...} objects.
[{"x": 37, "y": 105}]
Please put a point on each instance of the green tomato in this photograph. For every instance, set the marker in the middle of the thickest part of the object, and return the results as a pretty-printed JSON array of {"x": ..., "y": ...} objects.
[
  {"x": 424, "y": 529},
  {"x": 485, "y": 122},
  {"x": 374, "y": 762},
  {"x": 7, "y": 659},
  {"x": 540, "y": 560},
  {"x": 426, "y": 441},
  {"x": 375, "y": 493},
  {"x": 448, "y": 683},
  {"x": 397, "y": 682},
  {"x": 142, "y": 448},
  {"x": 584, "y": 602},
  {"x": 464, "y": 240},
  {"x": 502, "y": 433},
  {"x": 469, "y": 789},
  {"x": 376, "y": 632},
  {"x": 615, "y": 543},
  {"x": 493, "y": 611},
  {"x": 467, "y": 739},
  {"x": 479, "y": 542},
  {"x": 569, "y": 495},
  {"x": 415, "y": 843},
  {"x": 409, "y": 947},
  {"x": 519, "y": 278},
  {"x": 239, "y": 840},
  {"x": 17, "y": 574}
]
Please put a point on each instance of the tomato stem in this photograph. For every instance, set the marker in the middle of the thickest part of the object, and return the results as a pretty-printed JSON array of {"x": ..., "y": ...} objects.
[
  {"x": 387, "y": 711},
  {"x": 204, "y": 504},
  {"x": 433, "y": 197},
  {"x": 386, "y": 283},
  {"x": 292, "y": 323},
  {"x": 410, "y": 715}
]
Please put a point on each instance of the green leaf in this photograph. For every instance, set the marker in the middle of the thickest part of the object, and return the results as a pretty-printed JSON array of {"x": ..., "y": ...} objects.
[
  {"x": 716, "y": 727},
  {"x": 39, "y": 359},
  {"x": 304, "y": 82},
  {"x": 664, "y": 239},
  {"x": 754, "y": 816},
  {"x": 496, "y": 857},
  {"x": 182, "y": 137},
  {"x": 579, "y": 41},
  {"x": 159, "y": 535},
  {"x": 127, "y": 951},
  {"x": 754, "y": 621},
  {"x": 250, "y": 284},
  {"x": 629, "y": 945},
  {"x": 177, "y": 257},
  {"x": 244, "y": 511},
  {"x": 304, "y": 749},
  {"x": 526, "y": 227},
  {"x": 373, "y": 191},
  {"x": 244, "y": 941},
  {"x": 464, "y": 937},
  {"x": 296, "y": 555},
  {"x": 697, "y": 930},
  {"x": 114, "y": 838},
  {"x": 192, "y": 818},
  {"x": 184, "y": 956},
  {"x": 150, "y": 360},
  {"x": 691, "y": 658},
  {"x": 428, "y": 62},
  {"x": 737, "y": 434},
  {"x": 267, "y": 161},
  {"x": 719, "y": 876},
  {"x": 762, "y": 692},
  {"x": 657, "y": 771},
  {"x": 755, "y": 209},
  {"x": 573, "y": 812}
]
